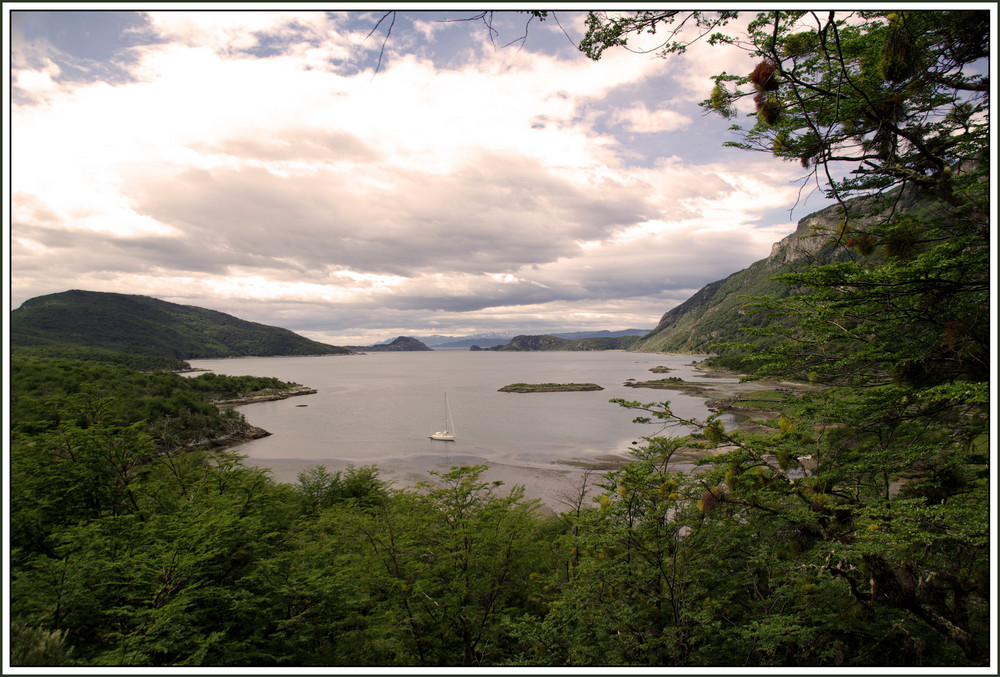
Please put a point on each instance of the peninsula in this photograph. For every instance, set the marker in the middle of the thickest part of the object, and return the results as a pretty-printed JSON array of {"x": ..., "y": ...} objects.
[{"x": 265, "y": 395}]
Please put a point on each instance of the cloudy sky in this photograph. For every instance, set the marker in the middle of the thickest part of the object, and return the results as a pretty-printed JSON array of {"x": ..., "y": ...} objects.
[{"x": 256, "y": 163}]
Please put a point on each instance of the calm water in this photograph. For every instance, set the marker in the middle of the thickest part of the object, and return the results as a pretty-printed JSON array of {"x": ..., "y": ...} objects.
[{"x": 378, "y": 409}]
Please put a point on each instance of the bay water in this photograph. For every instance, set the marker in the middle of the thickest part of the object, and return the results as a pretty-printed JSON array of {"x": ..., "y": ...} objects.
[{"x": 379, "y": 408}]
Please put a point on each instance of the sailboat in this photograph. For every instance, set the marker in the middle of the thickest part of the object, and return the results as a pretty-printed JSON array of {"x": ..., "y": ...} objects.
[{"x": 448, "y": 434}]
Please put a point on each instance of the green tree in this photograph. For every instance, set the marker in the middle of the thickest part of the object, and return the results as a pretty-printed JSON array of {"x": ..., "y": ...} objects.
[
  {"x": 445, "y": 567},
  {"x": 902, "y": 96},
  {"x": 889, "y": 112},
  {"x": 160, "y": 584},
  {"x": 38, "y": 647}
]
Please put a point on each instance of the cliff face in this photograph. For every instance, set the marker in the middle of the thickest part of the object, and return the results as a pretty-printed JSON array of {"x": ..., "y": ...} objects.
[
  {"x": 811, "y": 238},
  {"x": 812, "y": 233}
]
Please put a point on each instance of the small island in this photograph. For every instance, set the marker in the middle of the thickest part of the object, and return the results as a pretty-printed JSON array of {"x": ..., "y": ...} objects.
[
  {"x": 669, "y": 383},
  {"x": 548, "y": 387}
]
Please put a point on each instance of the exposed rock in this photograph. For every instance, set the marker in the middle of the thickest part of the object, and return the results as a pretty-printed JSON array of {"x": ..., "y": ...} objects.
[{"x": 266, "y": 395}]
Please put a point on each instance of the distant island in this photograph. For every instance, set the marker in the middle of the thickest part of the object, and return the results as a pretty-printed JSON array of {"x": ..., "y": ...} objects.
[
  {"x": 669, "y": 383},
  {"x": 548, "y": 387},
  {"x": 400, "y": 344}
]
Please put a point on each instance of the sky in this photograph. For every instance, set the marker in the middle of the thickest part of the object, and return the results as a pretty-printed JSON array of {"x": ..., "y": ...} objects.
[{"x": 316, "y": 171}]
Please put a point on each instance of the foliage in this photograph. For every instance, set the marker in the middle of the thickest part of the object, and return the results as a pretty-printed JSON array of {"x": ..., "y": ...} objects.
[
  {"x": 886, "y": 523},
  {"x": 101, "y": 356},
  {"x": 851, "y": 531},
  {"x": 449, "y": 564},
  {"x": 890, "y": 103},
  {"x": 605, "y": 30},
  {"x": 123, "y": 555},
  {"x": 38, "y": 647},
  {"x": 901, "y": 96},
  {"x": 49, "y": 395},
  {"x": 759, "y": 560},
  {"x": 133, "y": 548},
  {"x": 321, "y": 489}
]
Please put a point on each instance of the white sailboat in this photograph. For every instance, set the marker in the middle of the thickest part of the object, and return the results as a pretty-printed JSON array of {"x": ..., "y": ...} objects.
[{"x": 448, "y": 434}]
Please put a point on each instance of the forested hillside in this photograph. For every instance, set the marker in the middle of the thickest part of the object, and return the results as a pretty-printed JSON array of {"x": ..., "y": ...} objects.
[
  {"x": 721, "y": 313},
  {"x": 140, "y": 325},
  {"x": 132, "y": 547}
]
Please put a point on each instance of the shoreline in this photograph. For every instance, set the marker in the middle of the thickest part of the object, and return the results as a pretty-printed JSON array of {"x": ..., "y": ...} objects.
[
  {"x": 268, "y": 395},
  {"x": 552, "y": 482}
]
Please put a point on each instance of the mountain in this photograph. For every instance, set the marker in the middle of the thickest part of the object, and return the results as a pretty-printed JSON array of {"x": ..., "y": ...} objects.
[
  {"x": 468, "y": 343},
  {"x": 604, "y": 333},
  {"x": 141, "y": 325},
  {"x": 399, "y": 344},
  {"x": 495, "y": 340},
  {"x": 716, "y": 313},
  {"x": 547, "y": 342},
  {"x": 435, "y": 341}
]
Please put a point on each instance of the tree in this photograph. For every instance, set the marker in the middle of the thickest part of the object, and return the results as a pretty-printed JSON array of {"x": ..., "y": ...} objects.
[
  {"x": 444, "y": 567},
  {"x": 902, "y": 96},
  {"x": 605, "y": 30},
  {"x": 888, "y": 112},
  {"x": 484, "y": 17}
]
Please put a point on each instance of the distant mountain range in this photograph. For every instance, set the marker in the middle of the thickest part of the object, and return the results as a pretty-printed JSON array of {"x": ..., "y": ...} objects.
[
  {"x": 548, "y": 342},
  {"x": 141, "y": 325},
  {"x": 597, "y": 340},
  {"x": 103, "y": 325},
  {"x": 495, "y": 339}
]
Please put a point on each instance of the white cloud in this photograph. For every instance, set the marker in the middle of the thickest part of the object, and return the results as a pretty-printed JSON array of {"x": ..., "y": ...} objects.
[
  {"x": 641, "y": 119},
  {"x": 293, "y": 187}
]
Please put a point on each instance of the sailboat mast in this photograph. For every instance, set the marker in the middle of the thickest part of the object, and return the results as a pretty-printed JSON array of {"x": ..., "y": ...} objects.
[{"x": 448, "y": 434}]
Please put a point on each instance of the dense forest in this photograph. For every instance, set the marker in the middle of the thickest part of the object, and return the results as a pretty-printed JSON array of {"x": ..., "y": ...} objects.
[
  {"x": 131, "y": 548},
  {"x": 136, "y": 541}
]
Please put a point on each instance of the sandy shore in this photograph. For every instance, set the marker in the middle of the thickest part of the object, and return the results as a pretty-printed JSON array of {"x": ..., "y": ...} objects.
[{"x": 557, "y": 486}]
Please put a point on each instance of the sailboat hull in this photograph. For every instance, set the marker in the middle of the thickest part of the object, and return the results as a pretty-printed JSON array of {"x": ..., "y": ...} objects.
[{"x": 443, "y": 437}]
